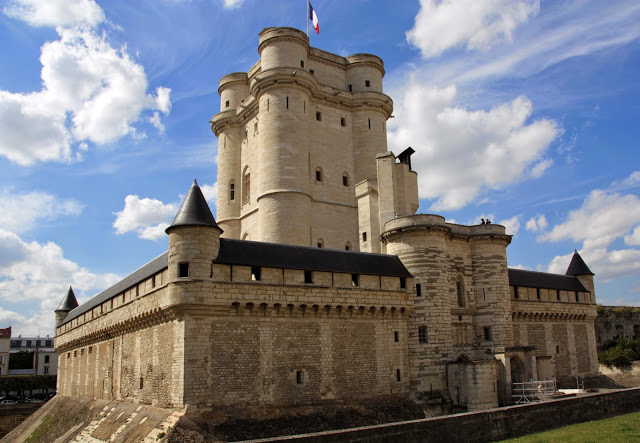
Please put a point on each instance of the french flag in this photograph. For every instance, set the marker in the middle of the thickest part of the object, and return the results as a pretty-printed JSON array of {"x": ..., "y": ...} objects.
[{"x": 314, "y": 19}]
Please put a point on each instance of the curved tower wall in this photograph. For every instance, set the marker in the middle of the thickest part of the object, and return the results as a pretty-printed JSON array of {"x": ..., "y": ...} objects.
[
  {"x": 195, "y": 245},
  {"x": 283, "y": 47},
  {"x": 234, "y": 89}
]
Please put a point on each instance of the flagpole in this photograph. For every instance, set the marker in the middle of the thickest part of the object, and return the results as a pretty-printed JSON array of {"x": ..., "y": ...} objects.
[{"x": 307, "y": 18}]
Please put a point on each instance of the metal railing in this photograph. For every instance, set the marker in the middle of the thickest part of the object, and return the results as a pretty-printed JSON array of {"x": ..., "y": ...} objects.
[{"x": 532, "y": 391}]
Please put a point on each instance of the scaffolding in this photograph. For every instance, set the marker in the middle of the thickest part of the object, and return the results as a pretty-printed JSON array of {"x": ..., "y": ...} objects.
[{"x": 533, "y": 391}]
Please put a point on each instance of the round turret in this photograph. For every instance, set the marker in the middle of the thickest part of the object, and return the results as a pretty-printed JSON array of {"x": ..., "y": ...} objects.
[
  {"x": 194, "y": 239},
  {"x": 364, "y": 73},
  {"x": 283, "y": 48},
  {"x": 67, "y": 304},
  {"x": 233, "y": 90}
]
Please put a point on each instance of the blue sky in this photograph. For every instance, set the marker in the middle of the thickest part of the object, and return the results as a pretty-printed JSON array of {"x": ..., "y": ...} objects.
[{"x": 524, "y": 112}]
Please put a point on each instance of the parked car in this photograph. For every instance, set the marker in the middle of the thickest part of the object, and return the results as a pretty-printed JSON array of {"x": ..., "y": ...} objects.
[
  {"x": 34, "y": 400},
  {"x": 7, "y": 402}
]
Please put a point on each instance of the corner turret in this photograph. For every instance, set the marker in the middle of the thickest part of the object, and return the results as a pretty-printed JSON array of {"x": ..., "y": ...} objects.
[
  {"x": 67, "y": 304},
  {"x": 194, "y": 238},
  {"x": 579, "y": 269}
]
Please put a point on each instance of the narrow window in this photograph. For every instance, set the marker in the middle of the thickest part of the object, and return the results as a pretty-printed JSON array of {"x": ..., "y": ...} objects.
[
  {"x": 557, "y": 349},
  {"x": 538, "y": 293},
  {"x": 369, "y": 119},
  {"x": 68, "y": 355},
  {"x": 557, "y": 294},
  {"x": 396, "y": 336},
  {"x": 299, "y": 377},
  {"x": 460, "y": 292},
  {"x": 347, "y": 246},
  {"x": 319, "y": 116},
  {"x": 345, "y": 179},
  {"x": 302, "y": 63},
  {"x": 183, "y": 270},
  {"x": 398, "y": 375},
  {"x": 350, "y": 88},
  {"x": 255, "y": 273},
  {"x": 318, "y": 175},
  {"x": 308, "y": 276},
  {"x": 367, "y": 83},
  {"x": 312, "y": 71},
  {"x": 232, "y": 191},
  {"x": 141, "y": 382},
  {"x": 320, "y": 243},
  {"x": 515, "y": 292},
  {"x": 355, "y": 281},
  {"x": 90, "y": 350},
  {"x": 418, "y": 290},
  {"x": 287, "y": 102},
  {"x": 487, "y": 333},
  {"x": 246, "y": 188},
  {"x": 364, "y": 236},
  {"x": 153, "y": 281},
  {"x": 137, "y": 291},
  {"x": 75, "y": 354},
  {"x": 46, "y": 359},
  {"x": 343, "y": 121},
  {"x": 226, "y": 104},
  {"x": 422, "y": 334},
  {"x": 577, "y": 299},
  {"x": 255, "y": 128}
]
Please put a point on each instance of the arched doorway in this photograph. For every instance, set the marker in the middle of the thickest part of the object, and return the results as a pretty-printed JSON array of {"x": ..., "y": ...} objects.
[{"x": 517, "y": 370}]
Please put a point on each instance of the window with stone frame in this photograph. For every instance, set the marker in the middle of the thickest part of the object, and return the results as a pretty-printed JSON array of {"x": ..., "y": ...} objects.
[
  {"x": 246, "y": 186},
  {"x": 422, "y": 335},
  {"x": 460, "y": 291}
]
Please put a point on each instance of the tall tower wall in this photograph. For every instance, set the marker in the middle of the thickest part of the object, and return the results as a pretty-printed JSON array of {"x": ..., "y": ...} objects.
[{"x": 305, "y": 134}]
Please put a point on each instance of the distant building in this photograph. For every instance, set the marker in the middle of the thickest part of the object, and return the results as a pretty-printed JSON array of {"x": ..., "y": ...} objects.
[
  {"x": 5, "y": 339},
  {"x": 45, "y": 358}
]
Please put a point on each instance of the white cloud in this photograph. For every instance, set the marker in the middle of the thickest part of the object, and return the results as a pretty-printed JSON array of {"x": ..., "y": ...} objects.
[
  {"x": 30, "y": 271},
  {"x": 210, "y": 193},
  {"x": 604, "y": 218},
  {"x": 90, "y": 92},
  {"x": 20, "y": 212},
  {"x": 468, "y": 152},
  {"x": 56, "y": 12},
  {"x": 629, "y": 182},
  {"x": 145, "y": 216},
  {"x": 232, "y": 4},
  {"x": 479, "y": 25},
  {"x": 633, "y": 239},
  {"x": 601, "y": 219},
  {"x": 535, "y": 224},
  {"x": 512, "y": 225}
]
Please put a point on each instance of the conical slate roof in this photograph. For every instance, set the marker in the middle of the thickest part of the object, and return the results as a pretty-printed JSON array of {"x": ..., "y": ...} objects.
[
  {"x": 578, "y": 266},
  {"x": 69, "y": 301},
  {"x": 194, "y": 210}
]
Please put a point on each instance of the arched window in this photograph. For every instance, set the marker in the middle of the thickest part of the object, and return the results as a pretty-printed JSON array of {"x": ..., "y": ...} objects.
[
  {"x": 460, "y": 291},
  {"x": 246, "y": 186},
  {"x": 232, "y": 191},
  {"x": 345, "y": 179},
  {"x": 320, "y": 243},
  {"x": 319, "y": 176}
]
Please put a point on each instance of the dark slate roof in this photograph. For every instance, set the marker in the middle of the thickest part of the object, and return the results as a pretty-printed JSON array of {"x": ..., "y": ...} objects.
[
  {"x": 153, "y": 267},
  {"x": 544, "y": 280},
  {"x": 69, "y": 301},
  {"x": 272, "y": 255},
  {"x": 194, "y": 210},
  {"x": 578, "y": 266}
]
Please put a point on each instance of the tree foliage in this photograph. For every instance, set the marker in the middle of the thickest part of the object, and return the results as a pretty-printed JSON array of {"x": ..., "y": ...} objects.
[
  {"x": 620, "y": 353},
  {"x": 27, "y": 382}
]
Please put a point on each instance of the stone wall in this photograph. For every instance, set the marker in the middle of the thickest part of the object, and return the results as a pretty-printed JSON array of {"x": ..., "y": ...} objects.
[
  {"x": 617, "y": 321},
  {"x": 492, "y": 425},
  {"x": 218, "y": 341}
]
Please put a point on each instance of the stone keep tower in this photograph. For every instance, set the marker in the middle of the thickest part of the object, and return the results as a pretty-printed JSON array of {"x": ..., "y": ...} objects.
[{"x": 295, "y": 135}]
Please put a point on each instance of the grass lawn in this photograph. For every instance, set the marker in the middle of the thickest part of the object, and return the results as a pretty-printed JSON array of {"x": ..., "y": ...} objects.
[{"x": 623, "y": 428}]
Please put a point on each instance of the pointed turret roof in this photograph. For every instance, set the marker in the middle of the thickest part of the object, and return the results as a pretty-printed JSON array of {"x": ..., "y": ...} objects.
[
  {"x": 69, "y": 301},
  {"x": 578, "y": 266},
  {"x": 194, "y": 210}
]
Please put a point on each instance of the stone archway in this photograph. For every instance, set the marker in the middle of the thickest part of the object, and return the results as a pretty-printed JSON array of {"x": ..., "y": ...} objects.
[{"x": 517, "y": 370}]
